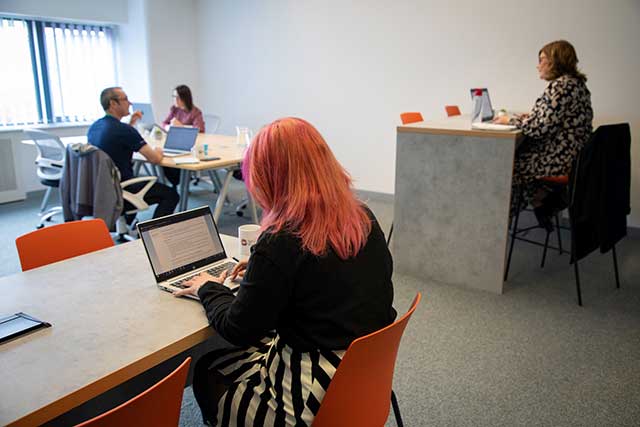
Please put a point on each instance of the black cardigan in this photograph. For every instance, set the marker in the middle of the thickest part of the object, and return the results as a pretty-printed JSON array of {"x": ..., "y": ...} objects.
[{"x": 312, "y": 302}]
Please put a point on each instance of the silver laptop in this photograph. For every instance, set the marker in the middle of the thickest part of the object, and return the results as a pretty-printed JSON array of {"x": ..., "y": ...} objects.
[
  {"x": 182, "y": 245},
  {"x": 484, "y": 111},
  {"x": 484, "y": 108},
  {"x": 148, "y": 119},
  {"x": 180, "y": 140}
]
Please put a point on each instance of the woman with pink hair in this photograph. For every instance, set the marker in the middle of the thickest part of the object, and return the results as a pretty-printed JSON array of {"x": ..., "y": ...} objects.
[{"x": 318, "y": 277}]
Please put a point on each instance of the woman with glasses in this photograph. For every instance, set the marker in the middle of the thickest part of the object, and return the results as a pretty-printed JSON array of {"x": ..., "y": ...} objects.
[
  {"x": 183, "y": 112},
  {"x": 556, "y": 129}
]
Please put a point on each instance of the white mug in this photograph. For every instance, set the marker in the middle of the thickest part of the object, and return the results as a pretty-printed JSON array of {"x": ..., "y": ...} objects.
[{"x": 247, "y": 236}]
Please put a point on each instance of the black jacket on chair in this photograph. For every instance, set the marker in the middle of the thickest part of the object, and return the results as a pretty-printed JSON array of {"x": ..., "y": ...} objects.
[{"x": 601, "y": 182}]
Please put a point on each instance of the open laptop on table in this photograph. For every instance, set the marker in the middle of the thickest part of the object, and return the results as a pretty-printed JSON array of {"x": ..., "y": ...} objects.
[
  {"x": 148, "y": 119},
  {"x": 182, "y": 245},
  {"x": 180, "y": 140},
  {"x": 484, "y": 109}
]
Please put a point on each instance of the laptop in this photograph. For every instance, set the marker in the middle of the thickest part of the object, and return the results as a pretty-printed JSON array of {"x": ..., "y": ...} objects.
[
  {"x": 484, "y": 111},
  {"x": 180, "y": 140},
  {"x": 182, "y": 245},
  {"x": 148, "y": 119}
]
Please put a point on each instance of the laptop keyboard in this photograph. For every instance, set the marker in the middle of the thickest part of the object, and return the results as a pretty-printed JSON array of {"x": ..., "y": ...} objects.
[{"x": 214, "y": 271}]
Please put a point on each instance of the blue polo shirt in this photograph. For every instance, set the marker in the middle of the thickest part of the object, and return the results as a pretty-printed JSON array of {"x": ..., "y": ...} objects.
[{"x": 118, "y": 140}]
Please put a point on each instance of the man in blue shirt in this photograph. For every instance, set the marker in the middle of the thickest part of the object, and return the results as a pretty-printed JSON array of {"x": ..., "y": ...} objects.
[{"x": 119, "y": 140}]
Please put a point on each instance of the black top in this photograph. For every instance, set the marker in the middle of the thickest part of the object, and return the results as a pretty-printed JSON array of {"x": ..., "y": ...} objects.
[
  {"x": 312, "y": 302},
  {"x": 118, "y": 140}
]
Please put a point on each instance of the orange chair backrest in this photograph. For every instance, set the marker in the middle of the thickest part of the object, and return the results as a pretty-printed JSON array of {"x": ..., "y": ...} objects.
[
  {"x": 359, "y": 394},
  {"x": 62, "y": 241},
  {"x": 452, "y": 110},
  {"x": 158, "y": 406},
  {"x": 411, "y": 118}
]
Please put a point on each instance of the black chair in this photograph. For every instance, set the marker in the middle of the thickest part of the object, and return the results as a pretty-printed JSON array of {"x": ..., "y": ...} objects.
[{"x": 599, "y": 200}]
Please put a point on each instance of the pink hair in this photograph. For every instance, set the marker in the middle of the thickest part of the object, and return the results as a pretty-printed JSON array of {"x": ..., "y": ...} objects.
[{"x": 291, "y": 172}]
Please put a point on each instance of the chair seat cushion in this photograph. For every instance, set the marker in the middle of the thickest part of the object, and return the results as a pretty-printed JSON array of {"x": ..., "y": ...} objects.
[
  {"x": 564, "y": 180},
  {"x": 50, "y": 182}
]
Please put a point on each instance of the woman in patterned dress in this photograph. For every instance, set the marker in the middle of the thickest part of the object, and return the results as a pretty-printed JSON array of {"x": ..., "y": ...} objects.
[
  {"x": 556, "y": 128},
  {"x": 318, "y": 277}
]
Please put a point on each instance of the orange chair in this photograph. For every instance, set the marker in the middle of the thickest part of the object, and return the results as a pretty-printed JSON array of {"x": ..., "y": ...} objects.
[
  {"x": 411, "y": 118},
  {"x": 62, "y": 241},
  {"x": 452, "y": 110},
  {"x": 359, "y": 393},
  {"x": 159, "y": 406}
]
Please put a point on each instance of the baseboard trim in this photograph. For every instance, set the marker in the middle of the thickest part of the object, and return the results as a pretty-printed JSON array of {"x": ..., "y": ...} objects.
[{"x": 374, "y": 195}]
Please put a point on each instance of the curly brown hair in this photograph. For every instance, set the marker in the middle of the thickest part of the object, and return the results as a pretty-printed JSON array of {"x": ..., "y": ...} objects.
[{"x": 563, "y": 60}]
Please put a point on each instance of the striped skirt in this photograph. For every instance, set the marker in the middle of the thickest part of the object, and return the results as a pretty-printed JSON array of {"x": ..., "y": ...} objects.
[{"x": 274, "y": 385}]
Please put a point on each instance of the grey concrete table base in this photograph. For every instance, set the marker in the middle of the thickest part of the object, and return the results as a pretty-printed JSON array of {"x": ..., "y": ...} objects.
[{"x": 452, "y": 207}]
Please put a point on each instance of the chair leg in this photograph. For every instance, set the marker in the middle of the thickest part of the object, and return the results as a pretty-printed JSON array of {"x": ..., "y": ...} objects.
[
  {"x": 544, "y": 251},
  {"x": 514, "y": 230},
  {"x": 558, "y": 232},
  {"x": 396, "y": 408},
  {"x": 575, "y": 269},
  {"x": 45, "y": 200},
  {"x": 390, "y": 233},
  {"x": 615, "y": 266}
]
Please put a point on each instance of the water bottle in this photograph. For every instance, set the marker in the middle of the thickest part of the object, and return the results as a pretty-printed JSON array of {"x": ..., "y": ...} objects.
[{"x": 243, "y": 136}]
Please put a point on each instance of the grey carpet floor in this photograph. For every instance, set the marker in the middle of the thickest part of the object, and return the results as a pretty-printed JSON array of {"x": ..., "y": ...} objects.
[{"x": 529, "y": 357}]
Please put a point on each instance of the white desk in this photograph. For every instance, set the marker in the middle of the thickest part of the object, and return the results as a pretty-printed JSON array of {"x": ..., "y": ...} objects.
[
  {"x": 110, "y": 323},
  {"x": 222, "y": 146}
]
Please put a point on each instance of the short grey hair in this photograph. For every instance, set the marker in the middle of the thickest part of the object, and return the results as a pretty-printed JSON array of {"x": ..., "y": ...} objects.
[{"x": 107, "y": 95}]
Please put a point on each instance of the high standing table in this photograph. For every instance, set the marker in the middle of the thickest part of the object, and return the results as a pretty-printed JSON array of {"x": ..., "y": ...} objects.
[
  {"x": 110, "y": 323},
  {"x": 452, "y": 192}
]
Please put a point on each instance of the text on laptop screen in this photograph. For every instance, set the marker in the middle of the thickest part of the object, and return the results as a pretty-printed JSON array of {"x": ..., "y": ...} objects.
[
  {"x": 173, "y": 246},
  {"x": 181, "y": 138}
]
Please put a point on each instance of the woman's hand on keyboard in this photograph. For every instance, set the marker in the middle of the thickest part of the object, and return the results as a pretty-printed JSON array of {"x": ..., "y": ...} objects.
[
  {"x": 237, "y": 273},
  {"x": 192, "y": 285}
]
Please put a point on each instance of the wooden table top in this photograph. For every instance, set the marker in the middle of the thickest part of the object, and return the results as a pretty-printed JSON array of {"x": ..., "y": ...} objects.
[
  {"x": 110, "y": 323},
  {"x": 456, "y": 125}
]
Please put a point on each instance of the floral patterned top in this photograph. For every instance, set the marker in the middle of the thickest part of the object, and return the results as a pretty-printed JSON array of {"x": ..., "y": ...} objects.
[{"x": 557, "y": 128}]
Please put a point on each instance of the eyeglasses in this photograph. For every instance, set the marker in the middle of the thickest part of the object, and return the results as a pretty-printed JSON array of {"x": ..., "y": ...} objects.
[{"x": 121, "y": 99}]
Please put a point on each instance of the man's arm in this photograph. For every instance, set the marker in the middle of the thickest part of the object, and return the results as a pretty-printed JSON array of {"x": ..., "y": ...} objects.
[{"x": 153, "y": 155}]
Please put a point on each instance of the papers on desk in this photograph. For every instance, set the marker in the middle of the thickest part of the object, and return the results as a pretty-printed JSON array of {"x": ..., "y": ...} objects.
[
  {"x": 492, "y": 126},
  {"x": 185, "y": 160}
]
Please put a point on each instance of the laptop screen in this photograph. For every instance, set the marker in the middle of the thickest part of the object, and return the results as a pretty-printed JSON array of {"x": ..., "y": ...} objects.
[
  {"x": 182, "y": 242},
  {"x": 484, "y": 109},
  {"x": 181, "y": 138},
  {"x": 147, "y": 119}
]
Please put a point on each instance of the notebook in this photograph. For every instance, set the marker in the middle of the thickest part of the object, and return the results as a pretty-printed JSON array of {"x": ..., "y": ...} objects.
[
  {"x": 182, "y": 245},
  {"x": 180, "y": 140}
]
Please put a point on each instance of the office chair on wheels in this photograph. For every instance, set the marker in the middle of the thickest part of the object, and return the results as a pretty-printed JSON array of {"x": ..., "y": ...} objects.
[
  {"x": 49, "y": 165},
  {"x": 90, "y": 187}
]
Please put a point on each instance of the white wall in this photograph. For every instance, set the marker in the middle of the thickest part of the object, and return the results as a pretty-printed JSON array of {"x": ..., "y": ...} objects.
[
  {"x": 172, "y": 51},
  {"x": 132, "y": 53},
  {"x": 113, "y": 11},
  {"x": 352, "y": 67}
]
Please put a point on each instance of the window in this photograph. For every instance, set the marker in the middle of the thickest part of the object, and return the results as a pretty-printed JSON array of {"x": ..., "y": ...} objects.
[{"x": 56, "y": 71}]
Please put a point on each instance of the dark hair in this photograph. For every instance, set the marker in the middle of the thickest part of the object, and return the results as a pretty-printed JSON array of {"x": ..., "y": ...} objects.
[
  {"x": 107, "y": 95},
  {"x": 184, "y": 93},
  {"x": 563, "y": 60}
]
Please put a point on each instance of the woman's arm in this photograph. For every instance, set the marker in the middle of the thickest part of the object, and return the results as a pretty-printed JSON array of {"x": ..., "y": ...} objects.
[
  {"x": 247, "y": 317},
  {"x": 547, "y": 116},
  {"x": 198, "y": 120},
  {"x": 172, "y": 114}
]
